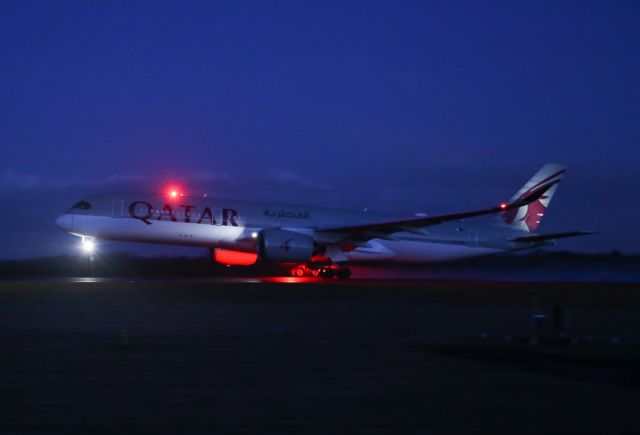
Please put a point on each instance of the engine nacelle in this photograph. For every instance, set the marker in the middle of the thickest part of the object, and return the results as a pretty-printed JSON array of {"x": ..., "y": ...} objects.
[{"x": 284, "y": 246}]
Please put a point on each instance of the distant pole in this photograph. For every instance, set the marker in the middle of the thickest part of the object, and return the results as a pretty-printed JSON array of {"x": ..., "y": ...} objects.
[
  {"x": 536, "y": 322},
  {"x": 558, "y": 320}
]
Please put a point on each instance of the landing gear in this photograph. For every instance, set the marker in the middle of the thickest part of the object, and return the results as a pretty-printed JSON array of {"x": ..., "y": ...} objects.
[
  {"x": 344, "y": 273},
  {"x": 323, "y": 270},
  {"x": 327, "y": 273}
]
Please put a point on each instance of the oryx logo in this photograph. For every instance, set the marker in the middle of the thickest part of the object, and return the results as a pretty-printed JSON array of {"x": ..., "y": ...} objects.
[{"x": 531, "y": 214}]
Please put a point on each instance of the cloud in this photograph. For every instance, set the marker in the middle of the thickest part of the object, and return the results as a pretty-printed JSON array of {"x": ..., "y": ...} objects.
[
  {"x": 124, "y": 178},
  {"x": 287, "y": 177},
  {"x": 12, "y": 180},
  {"x": 209, "y": 176},
  {"x": 15, "y": 180}
]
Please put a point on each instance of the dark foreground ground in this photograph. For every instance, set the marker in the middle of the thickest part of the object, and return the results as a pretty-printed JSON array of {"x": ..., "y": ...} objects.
[{"x": 364, "y": 357}]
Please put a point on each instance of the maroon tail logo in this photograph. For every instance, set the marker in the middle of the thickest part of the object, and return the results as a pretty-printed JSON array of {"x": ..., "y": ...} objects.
[
  {"x": 531, "y": 218},
  {"x": 535, "y": 209}
]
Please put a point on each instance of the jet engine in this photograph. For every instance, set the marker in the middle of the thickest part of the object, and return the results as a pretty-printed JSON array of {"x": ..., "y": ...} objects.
[{"x": 284, "y": 246}]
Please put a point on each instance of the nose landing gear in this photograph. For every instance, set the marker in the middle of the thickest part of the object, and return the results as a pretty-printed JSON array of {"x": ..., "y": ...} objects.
[{"x": 326, "y": 271}]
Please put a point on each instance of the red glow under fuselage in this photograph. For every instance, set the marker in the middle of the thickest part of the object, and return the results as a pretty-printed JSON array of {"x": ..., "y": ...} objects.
[{"x": 234, "y": 258}]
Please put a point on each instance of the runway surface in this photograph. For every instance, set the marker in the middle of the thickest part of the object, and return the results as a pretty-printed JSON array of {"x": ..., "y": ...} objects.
[{"x": 87, "y": 355}]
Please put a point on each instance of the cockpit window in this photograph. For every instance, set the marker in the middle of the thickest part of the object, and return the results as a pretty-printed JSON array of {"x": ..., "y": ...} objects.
[{"x": 83, "y": 205}]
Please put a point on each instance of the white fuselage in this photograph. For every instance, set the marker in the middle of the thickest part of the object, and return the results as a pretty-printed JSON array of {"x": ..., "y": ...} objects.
[{"x": 233, "y": 225}]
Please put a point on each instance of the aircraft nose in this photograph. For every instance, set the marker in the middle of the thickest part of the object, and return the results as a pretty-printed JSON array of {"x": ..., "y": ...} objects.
[{"x": 65, "y": 222}]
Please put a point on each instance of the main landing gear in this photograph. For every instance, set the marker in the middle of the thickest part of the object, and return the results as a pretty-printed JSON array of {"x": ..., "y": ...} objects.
[{"x": 322, "y": 270}]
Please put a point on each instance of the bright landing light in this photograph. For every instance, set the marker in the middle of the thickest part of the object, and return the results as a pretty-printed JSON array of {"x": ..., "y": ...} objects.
[{"x": 88, "y": 246}]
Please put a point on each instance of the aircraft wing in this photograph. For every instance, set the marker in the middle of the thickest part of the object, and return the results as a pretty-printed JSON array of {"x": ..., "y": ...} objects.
[{"x": 415, "y": 224}]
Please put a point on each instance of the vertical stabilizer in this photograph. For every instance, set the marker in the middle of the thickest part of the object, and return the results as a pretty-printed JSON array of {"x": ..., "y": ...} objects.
[{"x": 528, "y": 217}]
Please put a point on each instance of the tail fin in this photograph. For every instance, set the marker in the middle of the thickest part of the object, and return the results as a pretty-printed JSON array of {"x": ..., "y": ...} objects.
[{"x": 528, "y": 217}]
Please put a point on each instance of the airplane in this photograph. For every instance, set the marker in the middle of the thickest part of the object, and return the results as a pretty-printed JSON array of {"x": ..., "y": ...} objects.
[{"x": 317, "y": 241}]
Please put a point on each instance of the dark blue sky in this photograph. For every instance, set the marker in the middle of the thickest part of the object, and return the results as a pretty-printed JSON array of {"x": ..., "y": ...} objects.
[{"x": 403, "y": 106}]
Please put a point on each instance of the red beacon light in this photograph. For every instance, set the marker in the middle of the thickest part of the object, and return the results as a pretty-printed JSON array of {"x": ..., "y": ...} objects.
[
  {"x": 174, "y": 193},
  {"x": 503, "y": 205}
]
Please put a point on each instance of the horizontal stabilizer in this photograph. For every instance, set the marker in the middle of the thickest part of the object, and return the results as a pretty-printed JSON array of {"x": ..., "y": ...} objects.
[{"x": 553, "y": 236}]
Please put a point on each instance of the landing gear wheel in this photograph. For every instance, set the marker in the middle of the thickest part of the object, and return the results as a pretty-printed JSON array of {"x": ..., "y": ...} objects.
[
  {"x": 327, "y": 273},
  {"x": 298, "y": 272},
  {"x": 315, "y": 272},
  {"x": 344, "y": 273}
]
